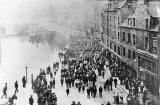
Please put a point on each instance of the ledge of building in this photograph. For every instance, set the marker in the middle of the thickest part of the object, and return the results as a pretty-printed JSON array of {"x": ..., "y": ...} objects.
[{"x": 154, "y": 56}]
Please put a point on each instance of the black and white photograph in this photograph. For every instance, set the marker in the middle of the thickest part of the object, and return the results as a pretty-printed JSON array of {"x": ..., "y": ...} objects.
[{"x": 79, "y": 52}]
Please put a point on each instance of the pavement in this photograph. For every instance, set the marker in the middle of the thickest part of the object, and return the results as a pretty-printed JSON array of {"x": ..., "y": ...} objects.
[
  {"x": 122, "y": 87},
  {"x": 82, "y": 97},
  {"x": 24, "y": 93}
]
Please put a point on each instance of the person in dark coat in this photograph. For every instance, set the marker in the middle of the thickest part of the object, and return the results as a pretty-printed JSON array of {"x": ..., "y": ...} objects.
[
  {"x": 78, "y": 103},
  {"x": 67, "y": 91},
  {"x": 53, "y": 82},
  {"x": 72, "y": 82},
  {"x": 103, "y": 73},
  {"x": 73, "y": 103},
  {"x": 117, "y": 99},
  {"x": 79, "y": 88},
  {"x": 110, "y": 82},
  {"x": 115, "y": 82},
  {"x": 108, "y": 103},
  {"x": 95, "y": 91},
  {"x": 83, "y": 88},
  {"x": 43, "y": 73},
  {"x": 100, "y": 91},
  {"x": 107, "y": 84},
  {"x": 88, "y": 92},
  {"x": 5, "y": 91},
  {"x": 104, "y": 86},
  {"x": 24, "y": 81},
  {"x": 31, "y": 100},
  {"x": 16, "y": 86},
  {"x": 62, "y": 81}
]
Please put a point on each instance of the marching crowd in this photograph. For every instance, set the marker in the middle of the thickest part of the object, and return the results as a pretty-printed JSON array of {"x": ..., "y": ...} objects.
[
  {"x": 43, "y": 89},
  {"x": 81, "y": 74},
  {"x": 75, "y": 73}
]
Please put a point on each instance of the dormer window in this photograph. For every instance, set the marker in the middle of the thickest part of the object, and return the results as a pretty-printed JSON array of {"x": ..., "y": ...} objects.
[{"x": 129, "y": 21}]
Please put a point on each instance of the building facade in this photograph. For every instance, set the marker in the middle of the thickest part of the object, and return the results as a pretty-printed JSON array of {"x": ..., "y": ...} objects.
[
  {"x": 148, "y": 50},
  {"x": 115, "y": 13},
  {"x": 132, "y": 31}
]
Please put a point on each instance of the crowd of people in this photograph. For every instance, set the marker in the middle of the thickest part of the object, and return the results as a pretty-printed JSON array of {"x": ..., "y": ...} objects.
[
  {"x": 131, "y": 83},
  {"x": 76, "y": 73},
  {"x": 14, "y": 96},
  {"x": 40, "y": 86},
  {"x": 82, "y": 74},
  {"x": 43, "y": 89}
]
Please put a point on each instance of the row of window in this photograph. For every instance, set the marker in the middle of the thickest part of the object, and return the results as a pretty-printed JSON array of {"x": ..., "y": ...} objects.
[
  {"x": 108, "y": 32},
  {"x": 124, "y": 37},
  {"x": 128, "y": 38},
  {"x": 132, "y": 22},
  {"x": 131, "y": 54}
]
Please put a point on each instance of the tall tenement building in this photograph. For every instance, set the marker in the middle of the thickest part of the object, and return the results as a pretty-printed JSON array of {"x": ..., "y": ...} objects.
[
  {"x": 132, "y": 30},
  {"x": 115, "y": 12}
]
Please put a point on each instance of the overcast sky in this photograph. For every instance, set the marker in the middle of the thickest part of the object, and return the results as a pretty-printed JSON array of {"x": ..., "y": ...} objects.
[{"x": 23, "y": 11}]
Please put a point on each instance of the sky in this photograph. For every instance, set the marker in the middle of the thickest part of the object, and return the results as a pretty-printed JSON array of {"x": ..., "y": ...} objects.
[
  {"x": 13, "y": 12},
  {"x": 23, "y": 11}
]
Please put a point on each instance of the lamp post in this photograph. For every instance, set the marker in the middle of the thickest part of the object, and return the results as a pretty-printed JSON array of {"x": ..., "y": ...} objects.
[{"x": 26, "y": 73}]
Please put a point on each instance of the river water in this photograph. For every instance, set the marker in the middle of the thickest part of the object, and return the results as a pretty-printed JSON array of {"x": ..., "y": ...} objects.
[{"x": 17, "y": 52}]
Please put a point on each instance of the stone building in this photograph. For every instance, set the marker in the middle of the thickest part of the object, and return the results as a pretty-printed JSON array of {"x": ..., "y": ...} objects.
[
  {"x": 115, "y": 12},
  {"x": 132, "y": 31},
  {"x": 139, "y": 34},
  {"x": 148, "y": 49}
]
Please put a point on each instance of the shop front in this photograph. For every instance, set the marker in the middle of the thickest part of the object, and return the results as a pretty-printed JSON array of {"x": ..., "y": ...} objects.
[{"x": 148, "y": 73}]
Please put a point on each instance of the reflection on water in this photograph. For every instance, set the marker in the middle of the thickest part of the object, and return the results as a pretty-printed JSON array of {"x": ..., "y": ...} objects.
[
  {"x": 54, "y": 40},
  {"x": 36, "y": 52}
]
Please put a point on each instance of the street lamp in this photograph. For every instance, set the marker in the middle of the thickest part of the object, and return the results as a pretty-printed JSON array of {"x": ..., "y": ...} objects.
[{"x": 26, "y": 73}]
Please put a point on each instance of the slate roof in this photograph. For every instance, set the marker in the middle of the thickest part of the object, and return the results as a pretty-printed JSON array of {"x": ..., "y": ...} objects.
[{"x": 133, "y": 14}]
